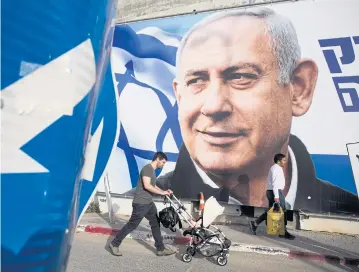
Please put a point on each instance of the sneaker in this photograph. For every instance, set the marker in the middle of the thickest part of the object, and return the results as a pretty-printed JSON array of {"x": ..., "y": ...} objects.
[
  {"x": 115, "y": 250},
  {"x": 253, "y": 227},
  {"x": 165, "y": 252},
  {"x": 287, "y": 236}
]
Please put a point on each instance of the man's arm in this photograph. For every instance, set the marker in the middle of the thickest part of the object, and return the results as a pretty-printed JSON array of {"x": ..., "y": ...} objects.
[
  {"x": 170, "y": 191},
  {"x": 153, "y": 189},
  {"x": 276, "y": 184}
]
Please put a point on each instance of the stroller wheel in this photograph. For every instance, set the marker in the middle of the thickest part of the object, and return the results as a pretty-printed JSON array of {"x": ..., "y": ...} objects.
[
  {"x": 222, "y": 260},
  {"x": 186, "y": 257}
]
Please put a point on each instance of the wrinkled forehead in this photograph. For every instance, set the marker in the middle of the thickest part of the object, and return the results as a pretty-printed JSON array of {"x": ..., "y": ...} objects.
[
  {"x": 226, "y": 36},
  {"x": 227, "y": 29}
]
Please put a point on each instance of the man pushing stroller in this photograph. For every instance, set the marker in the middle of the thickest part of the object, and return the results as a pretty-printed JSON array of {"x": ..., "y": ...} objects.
[{"x": 143, "y": 206}]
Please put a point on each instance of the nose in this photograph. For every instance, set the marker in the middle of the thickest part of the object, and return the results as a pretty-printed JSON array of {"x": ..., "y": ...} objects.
[{"x": 217, "y": 103}]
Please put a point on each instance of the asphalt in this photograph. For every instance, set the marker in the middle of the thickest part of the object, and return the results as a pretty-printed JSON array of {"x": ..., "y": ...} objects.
[
  {"x": 325, "y": 247},
  {"x": 89, "y": 253}
]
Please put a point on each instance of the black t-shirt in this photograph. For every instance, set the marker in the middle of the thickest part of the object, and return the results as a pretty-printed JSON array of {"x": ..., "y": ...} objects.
[{"x": 142, "y": 196}]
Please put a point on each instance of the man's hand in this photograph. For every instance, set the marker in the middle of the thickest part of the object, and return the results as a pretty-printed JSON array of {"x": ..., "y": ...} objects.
[
  {"x": 277, "y": 200},
  {"x": 166, "y": 193}
]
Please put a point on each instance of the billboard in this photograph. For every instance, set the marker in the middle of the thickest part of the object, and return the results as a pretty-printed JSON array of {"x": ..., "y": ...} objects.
[{"x": 222, "y": 92}]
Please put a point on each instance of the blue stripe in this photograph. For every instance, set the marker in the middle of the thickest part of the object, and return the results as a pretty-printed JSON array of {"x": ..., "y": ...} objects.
[
  {"x": 123, "y": 143},
  {"x": 143, "y": 46},
  {"x": 130, "y": 158},
  {"x": 335, "y": 169}
]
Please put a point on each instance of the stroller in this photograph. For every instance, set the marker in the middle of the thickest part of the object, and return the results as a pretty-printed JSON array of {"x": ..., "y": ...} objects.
[{"x": 205, "y": 238}]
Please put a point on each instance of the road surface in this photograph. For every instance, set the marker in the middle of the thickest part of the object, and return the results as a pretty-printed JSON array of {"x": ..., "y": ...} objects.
[{"x": 89, "y": 253}]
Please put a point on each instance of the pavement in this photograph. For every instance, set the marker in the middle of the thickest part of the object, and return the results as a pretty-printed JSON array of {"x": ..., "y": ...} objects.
[
  {"x": 316, "y": 246},
  {"x": 89, "y": 253}
]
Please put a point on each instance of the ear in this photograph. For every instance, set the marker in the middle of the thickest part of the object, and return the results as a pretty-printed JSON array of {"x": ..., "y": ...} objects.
[
  {"x": 304, "y": 80},
  {"x": 175, "y": 86}
]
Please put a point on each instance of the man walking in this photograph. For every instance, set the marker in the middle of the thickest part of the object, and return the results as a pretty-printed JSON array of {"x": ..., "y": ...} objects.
[
  {"x": 275, "y": 187},
  {"x": 143, "y": 206}
]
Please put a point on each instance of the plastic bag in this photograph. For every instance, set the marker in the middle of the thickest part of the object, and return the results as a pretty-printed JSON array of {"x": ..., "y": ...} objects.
[{"x": 275, "y": 220}]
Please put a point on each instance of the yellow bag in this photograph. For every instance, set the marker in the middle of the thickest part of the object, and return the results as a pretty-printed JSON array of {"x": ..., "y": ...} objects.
[{"x": 275, "y": 221}]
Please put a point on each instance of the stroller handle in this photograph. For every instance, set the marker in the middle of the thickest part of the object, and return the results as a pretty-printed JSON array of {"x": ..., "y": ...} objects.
[
  {"x": 166, "y": 197},
  {"x": 179, "y": 207},
  {"x": 171, "y": 196}
]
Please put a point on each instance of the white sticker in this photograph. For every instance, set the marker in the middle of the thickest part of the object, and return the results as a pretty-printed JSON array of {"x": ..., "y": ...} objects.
[{"x": 28, "y": 67}]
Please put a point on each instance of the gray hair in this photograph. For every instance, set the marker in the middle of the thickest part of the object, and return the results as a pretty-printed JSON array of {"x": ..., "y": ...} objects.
[{"x": 283, "y": 38}]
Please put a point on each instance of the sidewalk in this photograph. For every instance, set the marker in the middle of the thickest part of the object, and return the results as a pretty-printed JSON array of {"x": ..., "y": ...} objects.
[{"x": 324, "y": 247}]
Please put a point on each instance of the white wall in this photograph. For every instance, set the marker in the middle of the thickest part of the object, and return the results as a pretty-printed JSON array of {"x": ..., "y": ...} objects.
[{"x": 136, "y": 10}]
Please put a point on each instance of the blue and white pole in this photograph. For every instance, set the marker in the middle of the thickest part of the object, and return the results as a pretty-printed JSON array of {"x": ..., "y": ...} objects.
[{"x": 54, "y": 65}]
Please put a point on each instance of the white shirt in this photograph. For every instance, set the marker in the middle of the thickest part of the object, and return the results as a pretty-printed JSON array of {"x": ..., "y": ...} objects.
[
  {"x": 290, "y": 197},
  {"x": 292, "y": 193},
  {"x": 275, "y": 179}
]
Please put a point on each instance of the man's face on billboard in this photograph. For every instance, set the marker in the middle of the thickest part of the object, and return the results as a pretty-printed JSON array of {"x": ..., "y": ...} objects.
[{"x": 232, "y": 111}]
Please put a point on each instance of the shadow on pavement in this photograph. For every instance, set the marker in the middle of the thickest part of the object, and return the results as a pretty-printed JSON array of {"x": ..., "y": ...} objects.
[
  {"x": 303, "y": 243},
  {"x": 321, "y": 243},
  {"x": 308, "y": 244},
  {"x": 147, "y": 246}
]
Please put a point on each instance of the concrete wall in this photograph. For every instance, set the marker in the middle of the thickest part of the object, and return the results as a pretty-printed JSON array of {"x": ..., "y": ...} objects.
[
  {"x": 136, "y": 10},
  {"x": 231, "y": 215},
  {"x": 333, "y": 224},
  {"x": 123, "y": 206}
]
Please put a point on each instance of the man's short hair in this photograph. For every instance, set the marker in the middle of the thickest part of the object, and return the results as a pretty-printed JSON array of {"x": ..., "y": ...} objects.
[
  {"x": 282, "y": 37},
  {"x": 278, "y": 157},
  {"x": 159, "y": 155}
]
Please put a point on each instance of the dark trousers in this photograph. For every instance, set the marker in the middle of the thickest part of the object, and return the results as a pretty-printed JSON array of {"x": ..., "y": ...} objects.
[
  {"x": 270, "y": 197},
  {"x": 149, "y": 211}
]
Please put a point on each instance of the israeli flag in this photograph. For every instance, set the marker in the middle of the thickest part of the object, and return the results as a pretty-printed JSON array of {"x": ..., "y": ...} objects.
[{"x": 143, "y": 67}]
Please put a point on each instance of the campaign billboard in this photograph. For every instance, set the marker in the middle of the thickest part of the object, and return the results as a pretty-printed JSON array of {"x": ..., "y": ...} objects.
[{"x": 222, "y": 92}]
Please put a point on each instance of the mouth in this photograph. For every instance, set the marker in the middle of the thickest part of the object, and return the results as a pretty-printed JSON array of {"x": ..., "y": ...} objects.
[{"x": 220, "y": 137}]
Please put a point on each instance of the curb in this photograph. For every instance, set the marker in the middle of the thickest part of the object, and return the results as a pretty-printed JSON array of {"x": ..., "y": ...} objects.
[
  {"x": 294, "y": 254},
  {"x": 236, "y": 247},
  {"x": 136, "y": 235}
]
